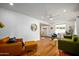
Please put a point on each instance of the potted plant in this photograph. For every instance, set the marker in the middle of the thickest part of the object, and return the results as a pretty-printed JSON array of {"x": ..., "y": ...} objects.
[{"x": 1, "y": 25}]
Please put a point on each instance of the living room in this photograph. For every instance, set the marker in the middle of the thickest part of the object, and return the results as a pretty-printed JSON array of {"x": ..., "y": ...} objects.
[{"x": 39, "y": 29}]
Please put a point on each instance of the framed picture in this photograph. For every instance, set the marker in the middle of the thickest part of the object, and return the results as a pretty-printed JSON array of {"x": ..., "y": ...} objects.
[{"x": 33, "y": 27}]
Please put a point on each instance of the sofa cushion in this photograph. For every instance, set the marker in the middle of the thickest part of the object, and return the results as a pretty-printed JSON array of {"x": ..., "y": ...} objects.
[
  {"x": 4, "y": 40},
  {"x": 75, "y": 38},
  {"x": 20, "y": 40}
]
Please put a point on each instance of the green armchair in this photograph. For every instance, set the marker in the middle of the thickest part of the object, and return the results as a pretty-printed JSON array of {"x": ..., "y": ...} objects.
[{"x": 69, "y": 45}]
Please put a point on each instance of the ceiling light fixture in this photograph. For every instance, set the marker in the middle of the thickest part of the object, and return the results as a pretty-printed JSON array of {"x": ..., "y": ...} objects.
[
  {"x": 65, "y": 10},
  {"x": 11, "y": 4},
  {"x": 50, "y": 18}
]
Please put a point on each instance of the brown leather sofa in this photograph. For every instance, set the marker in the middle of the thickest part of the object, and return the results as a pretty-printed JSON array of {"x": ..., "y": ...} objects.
[{"x": 11, "y": 49}]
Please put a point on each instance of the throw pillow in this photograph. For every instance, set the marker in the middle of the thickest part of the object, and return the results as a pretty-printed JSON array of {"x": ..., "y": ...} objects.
[{"x": 12, "y": 40}]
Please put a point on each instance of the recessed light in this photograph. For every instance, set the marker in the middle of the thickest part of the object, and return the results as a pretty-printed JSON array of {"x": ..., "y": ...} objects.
[
  {"x": 11, "y": 4},
  {"x": 65, "y": 10},
  {"x": 50, "y": 18}
]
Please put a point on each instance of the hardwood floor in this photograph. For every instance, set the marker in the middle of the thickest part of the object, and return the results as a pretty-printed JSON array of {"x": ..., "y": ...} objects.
[{"x": 45, "y": 47}]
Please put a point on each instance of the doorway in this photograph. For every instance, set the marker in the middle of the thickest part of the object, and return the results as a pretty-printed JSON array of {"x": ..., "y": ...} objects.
[{"x": 45, "y": 31}]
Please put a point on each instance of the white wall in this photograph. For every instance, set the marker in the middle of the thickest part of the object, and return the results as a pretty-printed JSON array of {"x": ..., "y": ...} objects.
[{"x": 19, "y": 25}]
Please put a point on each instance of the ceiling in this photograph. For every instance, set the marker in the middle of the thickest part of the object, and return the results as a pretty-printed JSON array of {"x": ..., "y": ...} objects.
[{"x": 42, "y": 11}]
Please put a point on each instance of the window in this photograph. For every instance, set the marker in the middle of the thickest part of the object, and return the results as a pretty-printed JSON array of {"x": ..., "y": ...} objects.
[{"x": 60, "y": 28}]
